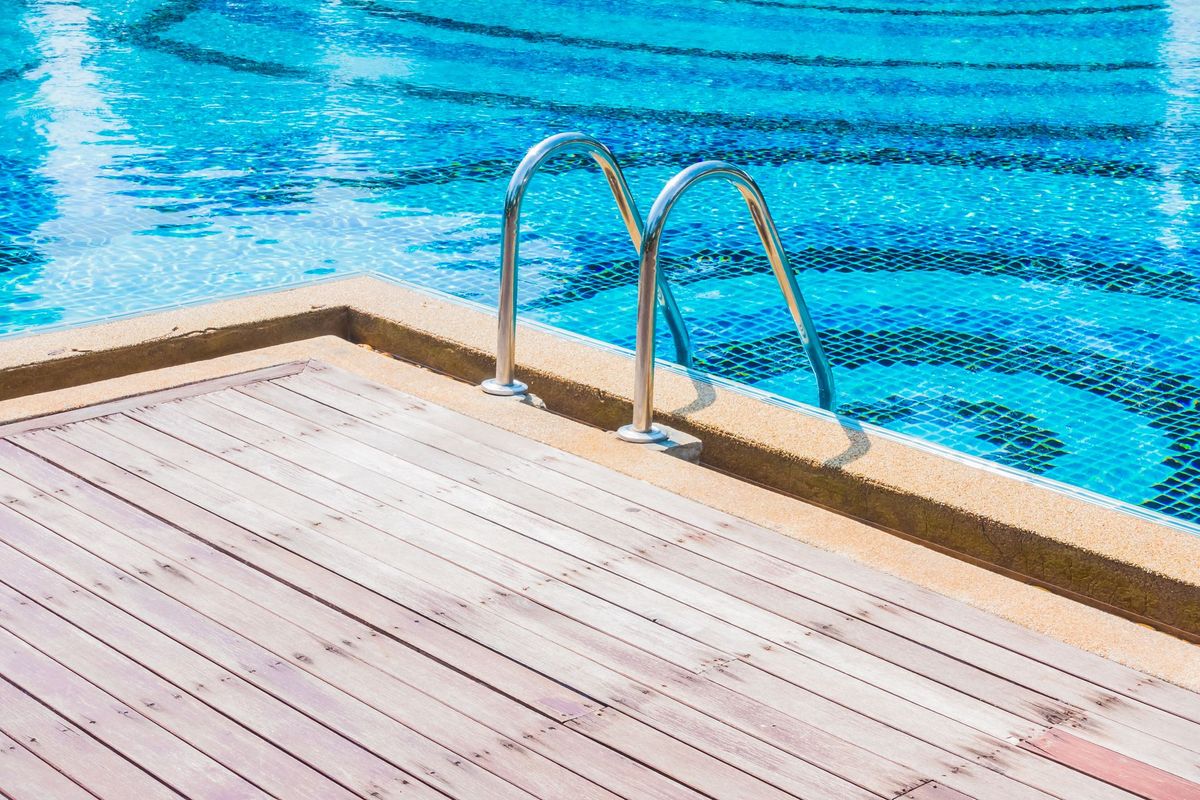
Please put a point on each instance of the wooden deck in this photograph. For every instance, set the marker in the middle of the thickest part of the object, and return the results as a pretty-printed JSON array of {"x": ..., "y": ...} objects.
[{"x": 300, "y": 584}]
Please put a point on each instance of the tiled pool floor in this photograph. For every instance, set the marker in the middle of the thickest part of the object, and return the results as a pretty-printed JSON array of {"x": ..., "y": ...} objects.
[{"x": 992, "y": 209}]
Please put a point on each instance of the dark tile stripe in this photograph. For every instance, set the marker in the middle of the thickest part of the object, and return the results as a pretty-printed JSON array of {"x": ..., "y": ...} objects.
[
  {"x": 15, "y": 73},
  {"x": 825, "y": 126},
  {"x": 1024, "y": 444},
  {"x": 546, "y": 37},
  {"x": 1166, "y": 400},
  {"x": 590, "y": 279},
  {"x": 1128, "y": 8},
  {"x": 499, "y": 168}
]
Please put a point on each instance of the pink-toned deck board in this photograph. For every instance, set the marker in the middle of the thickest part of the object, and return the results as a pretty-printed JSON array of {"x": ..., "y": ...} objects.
[{"x": 298, "y": 578}]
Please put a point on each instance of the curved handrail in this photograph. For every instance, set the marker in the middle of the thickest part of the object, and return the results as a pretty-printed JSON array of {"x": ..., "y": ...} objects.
[
  {"x": 505, "y": 382},
  {"x": 643, "y": 428}
]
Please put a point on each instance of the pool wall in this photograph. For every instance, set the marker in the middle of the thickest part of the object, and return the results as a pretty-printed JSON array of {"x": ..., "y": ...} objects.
[{"x": 1126, "y": 563}]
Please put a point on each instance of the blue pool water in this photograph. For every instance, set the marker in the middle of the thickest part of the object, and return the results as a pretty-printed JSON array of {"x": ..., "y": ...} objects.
[{"x": 991, "y": 204}]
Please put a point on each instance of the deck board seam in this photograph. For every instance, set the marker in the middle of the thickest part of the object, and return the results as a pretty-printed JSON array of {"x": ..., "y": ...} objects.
[
  {"x": 38, "y": 422},
  {"x": 122, "y": 573},
  {"x": 16, "y": 742},
  {"x": 349, "y": 613},
  {"x": 752, "y": 734},
  {"x": 551, "y": 720},
  {"x": 175, "y": 682},
  {"x": 573, "y": 465},
  {"x": 661, "y": 545},
  {"x": 1054, "y": 707},
  {"x": 95, "y": 738},
  {"x": 517, "y": 607},
  {"x": 248, "y": 778}
]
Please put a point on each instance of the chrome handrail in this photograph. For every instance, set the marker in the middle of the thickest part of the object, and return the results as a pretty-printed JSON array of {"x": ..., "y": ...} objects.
[
  {"x": 505, "y": 382},
  {"x": 643, "y": 428}
]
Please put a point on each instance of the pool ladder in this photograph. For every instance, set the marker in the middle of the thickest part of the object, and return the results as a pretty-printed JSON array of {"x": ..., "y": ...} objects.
[{"x": 653, "y": 287}]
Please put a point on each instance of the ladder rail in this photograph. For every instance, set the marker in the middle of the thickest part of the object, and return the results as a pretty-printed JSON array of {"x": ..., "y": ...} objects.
[
  {"x": 643, "y": 428},
  {"x": 505, "y": 382}
]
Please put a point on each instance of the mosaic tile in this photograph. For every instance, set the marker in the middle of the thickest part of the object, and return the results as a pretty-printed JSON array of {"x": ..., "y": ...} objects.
[{"x": 992, "y": 207}]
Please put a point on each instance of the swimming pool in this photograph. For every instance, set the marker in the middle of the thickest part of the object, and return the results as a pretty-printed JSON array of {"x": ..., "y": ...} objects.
[{"x": 992, "y": 206}]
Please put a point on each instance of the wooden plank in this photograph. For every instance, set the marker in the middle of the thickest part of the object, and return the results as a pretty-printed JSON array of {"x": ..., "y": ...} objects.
[
  {"x": 733, "y": 745},
  {"x": 461, "y": 773},
  {"x": 812, "y": 708},
  {"x": 237, "y": 749},
  {"x": 963, "y": 651},
  {"x": 549, "y": 697},
  {"x": 234, "y": 450},
  {"x": 423, "y": 674},
  {"x": 670, "y": 553},
  {"x": 626, "y": 552},
  {"x": 150, "y": 398},
  {"x": 352, "y": 766},
  {"x": 987, "y": 768},
  {"x": 118, "y": 725},
  {"x": 339, "y": 498},
  {"x": 436, "y": 766},
  {"x": 507, "y": 758},
  {"x": 439, "y": 527},
  {"x": 364, "y": 526},
  {"x": 673, "y": 757},
  {"x": 1134, "y": 776},
  {"x": 1041, "y": 774},
  {"x": 1164, "y": 752},
  {"x": 1089, "y": 668},
  {"x": 24, "y": 776},
  {"x": 934, "y": 791},
  {"x": 72, "y": 751},
  {"x": 389, "y": 621}
]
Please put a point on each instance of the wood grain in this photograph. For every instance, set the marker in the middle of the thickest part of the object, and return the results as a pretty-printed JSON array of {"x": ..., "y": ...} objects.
[{"x": 297, "y": 583}]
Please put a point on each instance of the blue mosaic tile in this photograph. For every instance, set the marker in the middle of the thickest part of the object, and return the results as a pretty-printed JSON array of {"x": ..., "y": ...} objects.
[{"x": 992, "y": 207}]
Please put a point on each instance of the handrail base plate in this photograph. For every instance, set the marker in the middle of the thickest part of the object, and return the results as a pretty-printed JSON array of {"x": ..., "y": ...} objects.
[
  {"x": 514, "y": 389},
  {"x": 628, "y": 433}
]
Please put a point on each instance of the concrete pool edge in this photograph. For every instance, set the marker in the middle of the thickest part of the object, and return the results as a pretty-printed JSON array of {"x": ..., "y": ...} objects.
[{"x": 1124, "y": 563}]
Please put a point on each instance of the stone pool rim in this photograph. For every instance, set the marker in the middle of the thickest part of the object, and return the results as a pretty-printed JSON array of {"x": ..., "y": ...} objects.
[{"x": 1097, "y": 552}]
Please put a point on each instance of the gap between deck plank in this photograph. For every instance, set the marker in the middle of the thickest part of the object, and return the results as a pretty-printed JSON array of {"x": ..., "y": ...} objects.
[
  {"x": 186, "y": 555},
  {"x": 119, "y": 726},
  {"x": 352, "y": 502},
  {"x": 496, "y": 631},
  {"x": 1088, "y": 668},
  {"x": 432, "y": 764},
  {"x": 24, "y": 776},
  {"x": 812, "y": 708},
  {"x": 244, "y": 753},
  {"x": 317, "y": 745},
  {"x": 151, "y": 398},
  {"x": 177, "y": 425},
  {"x": 910, "y": 652},
  {"x": 74, "y": 752},
  {"x": 308, "y": 577},
  {"x": 364, "y": 526}
]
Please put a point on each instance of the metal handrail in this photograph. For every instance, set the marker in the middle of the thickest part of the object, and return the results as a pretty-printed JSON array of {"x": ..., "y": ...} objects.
[
  {"x": 643, "y": 428},
  {"x": 505, "y": 382}
]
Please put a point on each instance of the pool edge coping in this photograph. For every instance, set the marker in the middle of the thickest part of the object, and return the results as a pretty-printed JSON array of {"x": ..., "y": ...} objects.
[{"x": 1117, "y": 561}]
